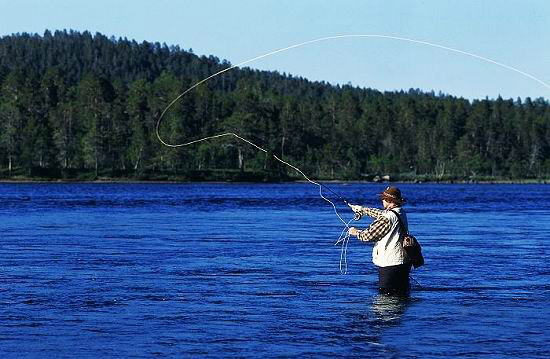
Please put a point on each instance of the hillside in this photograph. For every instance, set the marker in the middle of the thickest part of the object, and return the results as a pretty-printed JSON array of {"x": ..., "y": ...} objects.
[{"x": 82, "y": 106}]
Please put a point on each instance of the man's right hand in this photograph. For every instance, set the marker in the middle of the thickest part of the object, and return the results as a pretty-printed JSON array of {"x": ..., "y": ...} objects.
[{"x": 355, "y": 208}]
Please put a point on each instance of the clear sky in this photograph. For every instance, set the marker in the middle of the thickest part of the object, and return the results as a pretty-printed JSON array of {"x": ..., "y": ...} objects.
[{"x": 515, "y": 33}]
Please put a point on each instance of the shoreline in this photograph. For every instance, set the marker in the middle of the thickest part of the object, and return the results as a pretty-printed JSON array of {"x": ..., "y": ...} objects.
[{"x": 137, "y": 181}]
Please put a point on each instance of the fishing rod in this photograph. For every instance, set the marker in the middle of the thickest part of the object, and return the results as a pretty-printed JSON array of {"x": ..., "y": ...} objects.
[
  {"x": 357, "y": 216},
  {"x": 335, "y": 193},
  {"x": 260, "y": 149}
]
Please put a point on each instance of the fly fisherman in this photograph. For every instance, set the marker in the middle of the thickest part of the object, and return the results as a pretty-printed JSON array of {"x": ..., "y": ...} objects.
[{"x": 388, "y": 254}]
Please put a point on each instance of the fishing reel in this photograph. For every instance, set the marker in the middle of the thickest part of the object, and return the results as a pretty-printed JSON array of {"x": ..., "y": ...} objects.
[{"x": 357, "y": 215}]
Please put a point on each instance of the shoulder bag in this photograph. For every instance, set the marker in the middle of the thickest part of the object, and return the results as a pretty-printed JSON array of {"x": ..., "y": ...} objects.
[{"x": 411, "y": 245}]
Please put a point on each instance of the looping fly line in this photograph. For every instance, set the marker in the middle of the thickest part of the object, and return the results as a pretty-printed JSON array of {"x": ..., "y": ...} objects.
[
  {"x": 344, "y": 236},
  {"x": 420, "y": 42}
]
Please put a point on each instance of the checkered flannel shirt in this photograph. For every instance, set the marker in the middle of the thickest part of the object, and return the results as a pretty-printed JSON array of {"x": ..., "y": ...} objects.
[{"x": 378, "y": 229}]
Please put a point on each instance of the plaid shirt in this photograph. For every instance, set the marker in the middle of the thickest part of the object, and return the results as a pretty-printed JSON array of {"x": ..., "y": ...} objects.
[{"x": 378, "y": 229}]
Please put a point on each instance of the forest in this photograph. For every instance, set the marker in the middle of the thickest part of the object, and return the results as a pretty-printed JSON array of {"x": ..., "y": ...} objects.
[{"x": 82, "y": 106}]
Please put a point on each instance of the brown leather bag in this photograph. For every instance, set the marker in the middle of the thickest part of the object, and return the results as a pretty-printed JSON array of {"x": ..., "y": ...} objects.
[{"x": 411, "y": 245}]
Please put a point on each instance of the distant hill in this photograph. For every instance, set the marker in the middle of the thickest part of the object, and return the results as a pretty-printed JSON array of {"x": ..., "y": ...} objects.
[{"x": 81, "y": 106}]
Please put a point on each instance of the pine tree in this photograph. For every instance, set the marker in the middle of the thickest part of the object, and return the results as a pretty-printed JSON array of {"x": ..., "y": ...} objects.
[
  {"x": 94, "y": 113},
  {"x": 138, "y": 148},
  {"x": 12, "y": 114}
]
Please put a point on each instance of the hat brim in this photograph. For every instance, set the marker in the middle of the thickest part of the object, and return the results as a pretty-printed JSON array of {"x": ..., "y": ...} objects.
[{"x": 387, "y": 196}]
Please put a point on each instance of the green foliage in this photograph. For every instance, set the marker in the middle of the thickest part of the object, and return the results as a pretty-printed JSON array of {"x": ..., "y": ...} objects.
[{"x": 82, "y": 106}]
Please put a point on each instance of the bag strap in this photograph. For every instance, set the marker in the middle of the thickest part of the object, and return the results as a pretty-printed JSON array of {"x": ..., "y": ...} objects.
[{"x": 405, "y": 230}]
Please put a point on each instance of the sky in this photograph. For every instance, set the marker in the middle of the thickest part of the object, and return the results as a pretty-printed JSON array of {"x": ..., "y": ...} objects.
[{"x": 513, "y": 33}]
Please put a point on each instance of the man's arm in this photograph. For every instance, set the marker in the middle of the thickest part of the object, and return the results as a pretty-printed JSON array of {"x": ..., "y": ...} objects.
[
  {"x": 376, "y": 231},
  {"x": 367, "y": 211},
  {"x": 372, "y": 212}
]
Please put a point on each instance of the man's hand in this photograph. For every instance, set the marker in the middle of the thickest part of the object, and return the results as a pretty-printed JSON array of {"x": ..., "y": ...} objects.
[
  {"x": 355, "y": 208},
  {"x": 353, "y": 231}
]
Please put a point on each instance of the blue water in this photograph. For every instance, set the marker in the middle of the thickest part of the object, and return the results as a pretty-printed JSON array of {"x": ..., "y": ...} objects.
[{"x": 251, "y": 271}]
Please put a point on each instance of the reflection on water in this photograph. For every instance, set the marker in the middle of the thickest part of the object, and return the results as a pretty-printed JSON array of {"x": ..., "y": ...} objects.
[
  {"x": 389, "y": 309},
  {"x": 368, "y": 326}
]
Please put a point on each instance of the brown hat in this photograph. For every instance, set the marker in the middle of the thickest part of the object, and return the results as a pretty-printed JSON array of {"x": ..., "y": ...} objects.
[{"x": 392, "y": 194}]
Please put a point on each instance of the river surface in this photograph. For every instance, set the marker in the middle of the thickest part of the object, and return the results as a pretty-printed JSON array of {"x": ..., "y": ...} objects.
[{"x": 251, "y": 271}]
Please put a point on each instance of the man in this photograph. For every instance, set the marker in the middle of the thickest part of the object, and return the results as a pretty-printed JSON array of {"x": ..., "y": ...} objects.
[{"x": 388, "y": 254}]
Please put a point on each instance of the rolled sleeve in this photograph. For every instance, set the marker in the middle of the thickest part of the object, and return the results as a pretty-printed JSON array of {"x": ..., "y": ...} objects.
[{"x": 371, "y": 212}]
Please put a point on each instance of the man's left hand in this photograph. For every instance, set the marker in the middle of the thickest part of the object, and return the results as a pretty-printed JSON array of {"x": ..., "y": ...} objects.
[{"x": 353, "y": 231}]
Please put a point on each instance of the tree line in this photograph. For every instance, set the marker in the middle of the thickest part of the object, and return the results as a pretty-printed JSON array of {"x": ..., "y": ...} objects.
[{"x": 77, "y": 105}]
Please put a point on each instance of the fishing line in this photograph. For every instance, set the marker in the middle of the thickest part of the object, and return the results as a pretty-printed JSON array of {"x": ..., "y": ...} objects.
[
  {"x": 344, "y": 240},
  {"x": 421, "y": 42},
  {"x": 321, "y": 186},
  {"x": 344, "y": 236}
]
